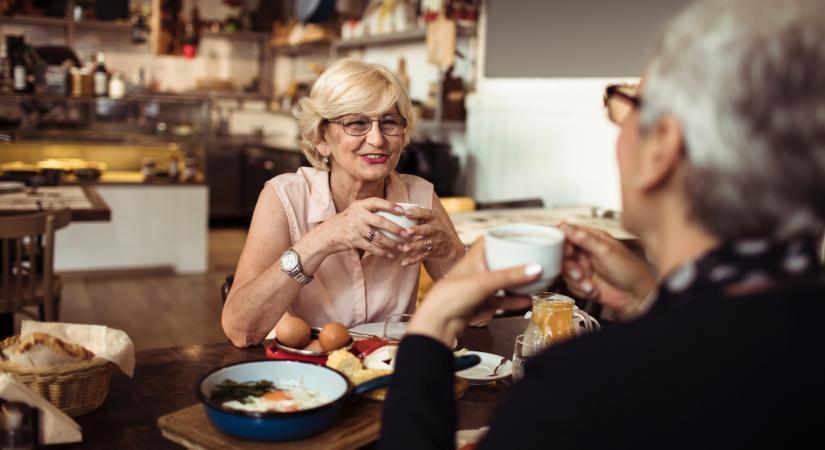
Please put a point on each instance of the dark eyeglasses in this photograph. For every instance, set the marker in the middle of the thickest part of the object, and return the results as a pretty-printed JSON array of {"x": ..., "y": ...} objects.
[
  {"x": 360, "y": 124},
  {"x": 620, "y": 100}
]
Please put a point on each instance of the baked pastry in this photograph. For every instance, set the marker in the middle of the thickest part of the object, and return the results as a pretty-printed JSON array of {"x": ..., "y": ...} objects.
[
  {"x": 42, "y": 350},
  {"x": 56, "y": 345},
  {"x": 345, "y": 362}
]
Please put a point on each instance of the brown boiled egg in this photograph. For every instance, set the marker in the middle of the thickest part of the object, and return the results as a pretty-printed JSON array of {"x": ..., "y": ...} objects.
[
  {"x": 333, "y": 336},
  {"x": 293, "y": 332},
  {"x": 314, "y": 346}
]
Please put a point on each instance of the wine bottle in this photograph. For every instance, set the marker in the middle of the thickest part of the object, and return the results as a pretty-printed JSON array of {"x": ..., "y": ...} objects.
[{"x": 101, "y": 78}]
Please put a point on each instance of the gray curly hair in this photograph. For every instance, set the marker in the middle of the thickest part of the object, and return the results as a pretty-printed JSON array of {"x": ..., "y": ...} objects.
[
  {"x": 348, "y": 87},
  {"x": 746, "y": 80}
]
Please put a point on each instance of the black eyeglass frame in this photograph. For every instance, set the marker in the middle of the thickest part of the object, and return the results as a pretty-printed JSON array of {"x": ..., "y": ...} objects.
[
  {"x": 340, "y": 121},
  {"x": 619, "y": 90}
]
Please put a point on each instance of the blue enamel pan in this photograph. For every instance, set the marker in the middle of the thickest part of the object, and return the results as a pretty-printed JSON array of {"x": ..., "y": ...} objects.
[{"x": 284, "y": 426}]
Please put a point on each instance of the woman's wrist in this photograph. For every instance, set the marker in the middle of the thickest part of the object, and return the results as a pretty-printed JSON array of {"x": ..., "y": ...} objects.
[
  {"x": 313, "y": 248},
  {"x": 430, "y": 324}
]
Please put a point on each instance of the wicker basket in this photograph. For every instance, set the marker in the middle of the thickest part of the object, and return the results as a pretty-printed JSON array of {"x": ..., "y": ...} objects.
[{"x": 76, "y": 388}]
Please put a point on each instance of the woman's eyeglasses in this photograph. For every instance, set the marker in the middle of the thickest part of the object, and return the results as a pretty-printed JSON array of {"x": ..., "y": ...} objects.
[
  {"x": 360, "y": 124},
  {"x": 620, "y": 100}
]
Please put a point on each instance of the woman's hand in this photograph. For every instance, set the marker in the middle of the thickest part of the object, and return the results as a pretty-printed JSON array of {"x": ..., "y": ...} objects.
[
  {"x": 353, "y": 227},
  {"x": 431, "y": 227},
  {"x": 598, "y": 267},
  {"x": 467, "y": 291}
]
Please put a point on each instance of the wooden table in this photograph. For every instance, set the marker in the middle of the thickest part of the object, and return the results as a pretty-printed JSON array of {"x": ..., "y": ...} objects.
[
  {"x": 471, "y": 225},
  {"x": 84, "y": 202},
  {"x": 165, "y": 381}
]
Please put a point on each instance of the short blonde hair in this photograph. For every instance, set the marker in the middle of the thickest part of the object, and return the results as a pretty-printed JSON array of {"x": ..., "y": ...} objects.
[{"x": 349, "y": 87}]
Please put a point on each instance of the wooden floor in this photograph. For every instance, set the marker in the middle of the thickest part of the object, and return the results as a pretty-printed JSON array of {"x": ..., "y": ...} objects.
[{"x": 157, "y": 309}]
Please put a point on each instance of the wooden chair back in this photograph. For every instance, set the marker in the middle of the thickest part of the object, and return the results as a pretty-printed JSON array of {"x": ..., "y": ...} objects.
[{"x": 27, "y": 244}]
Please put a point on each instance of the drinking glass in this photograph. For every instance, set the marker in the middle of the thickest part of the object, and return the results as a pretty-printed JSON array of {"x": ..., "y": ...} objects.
[
  {"x": 524, "y": 350},
  {"x": 395, "y": 326}
]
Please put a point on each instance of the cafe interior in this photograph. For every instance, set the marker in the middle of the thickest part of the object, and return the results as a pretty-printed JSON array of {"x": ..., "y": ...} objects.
[{"x": 142, "y": 305}]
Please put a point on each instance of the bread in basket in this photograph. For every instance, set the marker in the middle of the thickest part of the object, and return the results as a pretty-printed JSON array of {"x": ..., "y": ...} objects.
[{"x": 76, "y": 387}]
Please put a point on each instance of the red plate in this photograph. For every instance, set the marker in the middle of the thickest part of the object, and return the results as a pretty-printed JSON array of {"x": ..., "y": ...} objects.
[{"x": 274, "y": 352}]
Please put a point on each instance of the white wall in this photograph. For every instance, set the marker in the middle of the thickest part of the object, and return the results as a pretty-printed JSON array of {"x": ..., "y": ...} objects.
[
  {"x": 546, "y": 138},
  {"x": 540, "y": 137}
]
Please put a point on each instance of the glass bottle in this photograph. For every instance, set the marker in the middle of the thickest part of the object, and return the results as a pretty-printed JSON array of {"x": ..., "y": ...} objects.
[
  {"x": 16, "y": 50},
  {"x": 5, "y": 69},
  {"x": 101, "y": 78},
  {"x": 117, "y": 86}
]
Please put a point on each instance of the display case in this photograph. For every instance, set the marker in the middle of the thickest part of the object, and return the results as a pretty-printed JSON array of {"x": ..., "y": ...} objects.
[{"x": 137, "y": 139}]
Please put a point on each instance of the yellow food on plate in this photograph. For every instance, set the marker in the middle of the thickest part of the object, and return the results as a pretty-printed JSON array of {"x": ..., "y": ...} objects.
[
  {"x": 345, "y": 362},
  {"x": 364, "y": 375}
]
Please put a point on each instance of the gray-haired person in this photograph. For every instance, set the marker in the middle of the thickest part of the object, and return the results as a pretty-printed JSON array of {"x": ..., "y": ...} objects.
[{"x": 722, "y": 161}]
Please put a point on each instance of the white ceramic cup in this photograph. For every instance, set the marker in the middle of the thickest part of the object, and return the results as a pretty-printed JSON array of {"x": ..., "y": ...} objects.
[
  {"x": 401, "y": 220},
  {"x": 517, "y": 244}
]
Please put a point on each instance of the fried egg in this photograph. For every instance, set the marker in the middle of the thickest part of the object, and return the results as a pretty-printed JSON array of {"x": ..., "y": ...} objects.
[{"x": 286, "y": 398}]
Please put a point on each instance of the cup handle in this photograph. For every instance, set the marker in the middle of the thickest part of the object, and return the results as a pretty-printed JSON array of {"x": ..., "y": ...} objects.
[{"x": 586, "y": 321}]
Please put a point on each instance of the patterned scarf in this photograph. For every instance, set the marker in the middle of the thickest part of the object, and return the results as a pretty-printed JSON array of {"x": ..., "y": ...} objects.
[{"x": 739, "y": 268}]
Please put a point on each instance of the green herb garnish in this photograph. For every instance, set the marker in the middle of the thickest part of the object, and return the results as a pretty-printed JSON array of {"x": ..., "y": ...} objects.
[{"x": 229, "y": 390}]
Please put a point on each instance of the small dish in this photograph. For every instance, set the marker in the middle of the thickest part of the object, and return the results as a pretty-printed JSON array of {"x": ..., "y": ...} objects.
[{"x": 482, "y": 373}]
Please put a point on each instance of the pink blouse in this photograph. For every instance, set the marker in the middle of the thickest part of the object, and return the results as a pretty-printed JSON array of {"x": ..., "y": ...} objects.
[{"x": 346, "y": 288}]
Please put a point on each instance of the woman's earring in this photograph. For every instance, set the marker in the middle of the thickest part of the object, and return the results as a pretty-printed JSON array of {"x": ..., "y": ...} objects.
[{"x": 325, "y": 160}]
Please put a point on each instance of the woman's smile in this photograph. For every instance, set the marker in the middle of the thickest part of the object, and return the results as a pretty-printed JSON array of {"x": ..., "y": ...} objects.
[{"x": 375, "y": 158}]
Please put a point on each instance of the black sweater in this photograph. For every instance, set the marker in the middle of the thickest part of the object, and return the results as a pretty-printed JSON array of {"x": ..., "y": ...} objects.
[{"x": 714, "y": 372}]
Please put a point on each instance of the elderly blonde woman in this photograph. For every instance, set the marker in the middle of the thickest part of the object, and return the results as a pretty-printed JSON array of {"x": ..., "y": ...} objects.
[
  {"x": 722, "y": 161},
  {"x": 316, "y": 247}
]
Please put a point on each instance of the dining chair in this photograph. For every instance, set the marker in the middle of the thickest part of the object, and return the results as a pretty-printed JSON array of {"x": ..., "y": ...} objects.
[{"x": 27, "y": 276}]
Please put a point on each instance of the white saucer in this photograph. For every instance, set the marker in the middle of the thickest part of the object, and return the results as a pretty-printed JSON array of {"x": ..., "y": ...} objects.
[{"x": 481, "y": 373}]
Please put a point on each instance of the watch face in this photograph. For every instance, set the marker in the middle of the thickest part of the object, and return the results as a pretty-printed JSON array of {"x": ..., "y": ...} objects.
[{"x": 289, "y": 260}]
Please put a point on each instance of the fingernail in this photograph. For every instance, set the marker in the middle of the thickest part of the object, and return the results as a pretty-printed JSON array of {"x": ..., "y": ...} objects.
[
  {"x": 390, "y": 255},
  {"x": 532, "y": 269},
  {"x": 580, "y": 235},
  {"x": 574, "y": 274},
  {"x": 587, "y": 286},
  {"x": 399, "y": 210},
  {"x": 406, "y": 233}
]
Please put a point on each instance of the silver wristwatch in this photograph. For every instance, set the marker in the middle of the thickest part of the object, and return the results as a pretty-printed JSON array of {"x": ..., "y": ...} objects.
[{"x": 291, "y": 265}]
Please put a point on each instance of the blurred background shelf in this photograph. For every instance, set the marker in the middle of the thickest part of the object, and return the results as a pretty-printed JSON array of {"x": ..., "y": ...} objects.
[
  {"x": 293, "y": 50},
  {"x": 235, "y": 35},
  {"x": 100, "y": 25},
  {"x": 34, "y": 20},
  {"x": 415, "y": 35}
]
